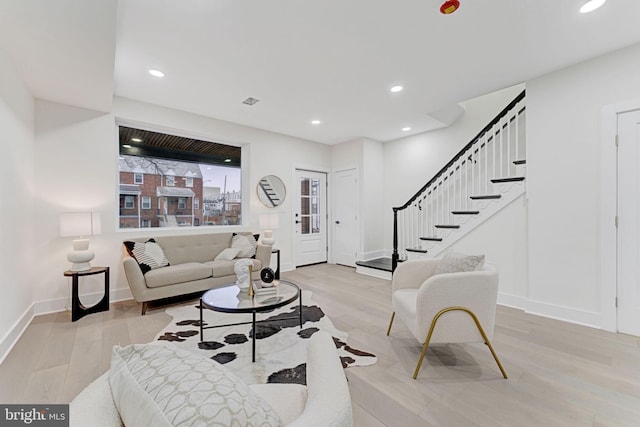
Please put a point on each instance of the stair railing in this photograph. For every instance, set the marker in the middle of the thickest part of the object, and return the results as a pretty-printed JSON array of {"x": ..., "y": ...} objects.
[{"x": 489, "y": 155}]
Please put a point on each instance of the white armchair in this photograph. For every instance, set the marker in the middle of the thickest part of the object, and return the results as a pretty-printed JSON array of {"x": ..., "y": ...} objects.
[{"x": 453, "y": 301}]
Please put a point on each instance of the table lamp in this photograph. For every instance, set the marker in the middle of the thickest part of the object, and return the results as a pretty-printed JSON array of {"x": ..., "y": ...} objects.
[{"x": 79, "y": 224}]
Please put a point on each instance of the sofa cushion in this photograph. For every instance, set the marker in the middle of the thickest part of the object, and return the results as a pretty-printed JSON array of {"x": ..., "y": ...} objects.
[
  {"x": 162, "y": 385},
  {"x": 453, "y": 262},
  {"x": 247, "y": 244},
  {"x": 177, "y": 274},
  {"x": 225, "y": 268},
  {"x": 227, "y": 254},
  {"x": 194, "y": 247},
  {"x": 288, "y": 400},
  {"x": 149, "y": 254}
]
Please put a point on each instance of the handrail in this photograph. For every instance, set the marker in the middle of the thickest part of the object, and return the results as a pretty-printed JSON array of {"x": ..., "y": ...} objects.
[
  {"x": 395, "y": 256},
  {"x": 464, "y": 150}
]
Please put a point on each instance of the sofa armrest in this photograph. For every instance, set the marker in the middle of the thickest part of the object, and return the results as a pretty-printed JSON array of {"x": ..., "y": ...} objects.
[
  {"x": 328, "y": 399},
  {"x": 135, "y": 277},
  {"x": 263, "y": 253},
  {"x": 411, "y": 274}
]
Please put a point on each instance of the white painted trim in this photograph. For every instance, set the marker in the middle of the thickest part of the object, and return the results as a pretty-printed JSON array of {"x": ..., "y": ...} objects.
[
  {"x": 38, "y": 308},
  {"x": 608, "y": 210},
  {"x": 15, "y": 332},
  {"x": 564, "y": 313},
  {"x": 513, "y": 301},
  {"x": 373, "y": 272}
]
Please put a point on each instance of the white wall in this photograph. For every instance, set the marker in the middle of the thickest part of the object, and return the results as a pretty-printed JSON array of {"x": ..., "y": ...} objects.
[
  {"x": 563, "y": 168},
  {"x": 77, "y": 169},
  {"x": 17, "y": 253}
]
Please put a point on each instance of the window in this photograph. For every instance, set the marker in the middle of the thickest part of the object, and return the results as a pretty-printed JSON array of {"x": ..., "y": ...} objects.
[
  {"x": 146, "y": 202},
  {"x": 187, "y": 182}
]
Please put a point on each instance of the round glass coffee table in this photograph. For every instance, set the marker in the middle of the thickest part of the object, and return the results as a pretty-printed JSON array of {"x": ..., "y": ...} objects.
[{"x": 231, "y": 299}]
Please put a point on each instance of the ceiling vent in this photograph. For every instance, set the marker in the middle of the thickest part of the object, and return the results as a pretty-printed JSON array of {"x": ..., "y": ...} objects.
[{"x": 250, "y": 101}]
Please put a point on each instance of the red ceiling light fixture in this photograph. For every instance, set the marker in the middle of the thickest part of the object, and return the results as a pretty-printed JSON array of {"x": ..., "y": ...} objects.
[{"x": 449, "y": 6}]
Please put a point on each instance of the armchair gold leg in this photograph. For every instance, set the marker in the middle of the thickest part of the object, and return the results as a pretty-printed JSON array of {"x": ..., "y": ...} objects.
[
  {"x": 393, "y": 315},
  {"x": 433, "y": 325}
]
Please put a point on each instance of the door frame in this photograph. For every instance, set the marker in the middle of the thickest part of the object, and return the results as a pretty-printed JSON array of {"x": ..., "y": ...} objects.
[
  {"x": 329, "y": 236},
  {"x": 608, "y": 279}
]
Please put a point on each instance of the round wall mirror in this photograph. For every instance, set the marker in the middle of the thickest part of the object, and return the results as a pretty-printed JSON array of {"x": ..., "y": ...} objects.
[{"x": 271, "y": 191}]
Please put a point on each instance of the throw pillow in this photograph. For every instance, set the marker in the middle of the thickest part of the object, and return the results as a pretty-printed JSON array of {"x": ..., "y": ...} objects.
[
  {"x": 148, "y": 254},
  {"x": 227, "y": 254},
  {"x": 453, "y": 262},
  {"x": 247, "y": 244},
  {"x": 162, "y": 385}
]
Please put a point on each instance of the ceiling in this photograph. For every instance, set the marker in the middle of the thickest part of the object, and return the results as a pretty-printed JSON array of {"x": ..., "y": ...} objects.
[{"x": 331, "y": 60}]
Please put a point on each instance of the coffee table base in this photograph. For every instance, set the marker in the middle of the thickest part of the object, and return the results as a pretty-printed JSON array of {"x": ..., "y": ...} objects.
[{"x": 253, "y": 325}]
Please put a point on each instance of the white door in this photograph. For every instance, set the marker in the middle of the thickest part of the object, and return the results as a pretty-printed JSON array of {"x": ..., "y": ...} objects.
[
  {"x": 310, "y": 218},
  {"x": 345, "y": 218},
  {"x": 629, "y": 223}
]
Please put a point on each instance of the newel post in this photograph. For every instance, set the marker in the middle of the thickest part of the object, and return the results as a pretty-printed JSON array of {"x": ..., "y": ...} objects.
[{"x": 394, "y": 257}]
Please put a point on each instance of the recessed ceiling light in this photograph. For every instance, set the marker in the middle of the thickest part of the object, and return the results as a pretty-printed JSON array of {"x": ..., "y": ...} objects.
[
  {"x": 227, "y": 160},
  {"x": 591, "y": 5},
  {"x": 126, "y": 146},
  {"x": 136, "y": 140},
  {"x": 396, "y": 88},
  {"x": 156, "y": 73},
  {"x": 406, "y": 129},
  {"x": 315, "y": 122}
]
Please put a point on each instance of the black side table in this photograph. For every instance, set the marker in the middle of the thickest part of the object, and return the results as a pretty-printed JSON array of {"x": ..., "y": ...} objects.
[{"x": 78, "y": 310}]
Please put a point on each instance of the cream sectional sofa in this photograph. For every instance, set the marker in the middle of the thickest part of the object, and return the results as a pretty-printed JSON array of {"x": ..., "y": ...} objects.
[{"x": 192, "y": 266}]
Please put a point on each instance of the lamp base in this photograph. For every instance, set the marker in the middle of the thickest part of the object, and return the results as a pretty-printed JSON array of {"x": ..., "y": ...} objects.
[
  {"x": 268, "y": 238},
  {"x": 81, "y": 256}
]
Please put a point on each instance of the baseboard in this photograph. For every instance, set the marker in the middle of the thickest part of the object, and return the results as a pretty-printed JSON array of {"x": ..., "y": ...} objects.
[
  {"x": 591, "y": 319},
  {"x": 380, "y": 274},
  {"x": 15, "y": 332},
  {"x": 38, "y": 308},
  {"x": 513, "y": 301}
]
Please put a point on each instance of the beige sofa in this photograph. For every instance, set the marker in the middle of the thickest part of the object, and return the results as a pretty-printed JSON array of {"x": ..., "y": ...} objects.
[{"x": 191, "y": 266}]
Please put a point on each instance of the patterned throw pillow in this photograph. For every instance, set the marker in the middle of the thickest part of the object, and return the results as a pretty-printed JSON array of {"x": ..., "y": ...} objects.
[
  {"x": 162, "y": 385},
  {"x": 148, "y": 254},
  {"x": 453, "y": 262},
  {"x": 247, "y": 244}
]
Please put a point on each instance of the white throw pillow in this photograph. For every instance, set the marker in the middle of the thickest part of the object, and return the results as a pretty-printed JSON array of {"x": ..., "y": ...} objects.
[
  {"x": 246, "y": 243},
  {"x": 227, "y": 254},
  {"x": 161, "y": 385},
  {"x": 453, "y": 262}
]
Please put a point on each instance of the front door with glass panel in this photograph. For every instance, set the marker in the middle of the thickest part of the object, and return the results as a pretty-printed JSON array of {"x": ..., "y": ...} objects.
[{"x": 310, "y": 218}]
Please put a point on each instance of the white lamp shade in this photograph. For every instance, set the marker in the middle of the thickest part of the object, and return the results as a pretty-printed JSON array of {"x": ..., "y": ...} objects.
[
  {"x": 79, "y": 224},
  {"x": 269, "y": 221}
]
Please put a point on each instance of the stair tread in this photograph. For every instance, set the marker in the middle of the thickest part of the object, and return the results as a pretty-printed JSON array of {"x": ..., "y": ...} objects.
[
  {"x": 432, "y": 239},
  {"x": 519, "y": 162},
  {"x": 447, "y": 226},
  {"x": 465, "y": 212},
  {"x": 511, "y": 179},
  {"x": 418, "y": 250},
  {"x": 486, "y": 197}
]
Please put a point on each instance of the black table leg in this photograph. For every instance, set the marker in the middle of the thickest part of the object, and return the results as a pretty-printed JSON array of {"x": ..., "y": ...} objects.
[
  {"x": 253, "y": 343},
  {"x": 201, "y": 330},
  {"x": 300, "y": 302}
]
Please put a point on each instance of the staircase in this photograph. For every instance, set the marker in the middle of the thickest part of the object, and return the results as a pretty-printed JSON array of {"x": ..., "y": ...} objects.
[{"x": 483, "y": 178}]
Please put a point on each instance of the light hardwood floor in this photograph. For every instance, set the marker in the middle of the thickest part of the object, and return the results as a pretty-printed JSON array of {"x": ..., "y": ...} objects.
[{"x": 560, "y": 374}]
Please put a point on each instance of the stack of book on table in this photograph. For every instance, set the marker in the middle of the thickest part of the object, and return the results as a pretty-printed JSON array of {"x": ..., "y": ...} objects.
[{"x": 262, "y": 288}]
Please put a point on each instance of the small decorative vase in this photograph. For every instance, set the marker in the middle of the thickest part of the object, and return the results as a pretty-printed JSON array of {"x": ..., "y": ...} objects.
[{"x": 241, "y": 268}]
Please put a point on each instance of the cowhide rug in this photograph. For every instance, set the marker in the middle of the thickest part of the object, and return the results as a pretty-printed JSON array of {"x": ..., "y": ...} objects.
[{"x": 280, "y": 344}]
